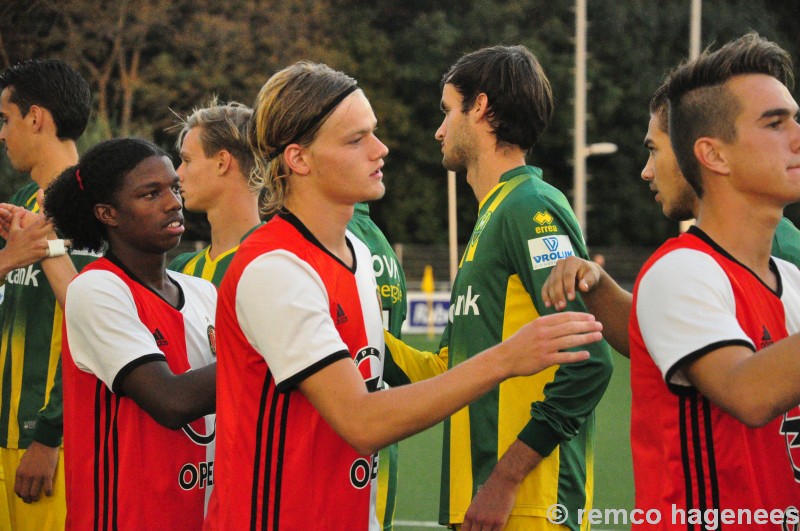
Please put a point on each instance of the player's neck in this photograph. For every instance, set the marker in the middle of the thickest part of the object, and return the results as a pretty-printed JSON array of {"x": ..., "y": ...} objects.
[
  {"x": 327, "y": 221},
  {"x": 230, "y": 221},
  {"x": 56, "y": 156},
  {"x": 148, "y": 268},
  {"x": 746, "y": 238},
  {"x": 484, "y": 174}
]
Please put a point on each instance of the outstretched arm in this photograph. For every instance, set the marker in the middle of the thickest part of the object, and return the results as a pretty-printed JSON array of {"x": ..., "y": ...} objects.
[
  {"x": 602, "y": 295},
  {"x": 370, "y": 421}
]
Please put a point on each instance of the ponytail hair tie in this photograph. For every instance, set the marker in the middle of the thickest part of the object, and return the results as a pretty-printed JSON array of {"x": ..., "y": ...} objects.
[{"x": 78, "y": 178}]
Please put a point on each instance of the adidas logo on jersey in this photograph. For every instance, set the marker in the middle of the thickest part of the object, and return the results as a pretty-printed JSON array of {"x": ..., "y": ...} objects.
[
  {"x": 766, "y": 338},
  {"x": 341, "y": 317},
  {"x": 161, "y": 341}
]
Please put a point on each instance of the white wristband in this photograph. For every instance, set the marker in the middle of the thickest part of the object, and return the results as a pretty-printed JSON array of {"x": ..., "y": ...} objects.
[{"x": 56, "y": 248}]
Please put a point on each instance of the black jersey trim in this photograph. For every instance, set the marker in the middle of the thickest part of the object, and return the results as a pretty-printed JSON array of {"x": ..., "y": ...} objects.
[
  {"x": 181, "y": 297},
  {"x": 291, "y": 382},
  {"x": 302, "y": 229},
  {"x": 711, "y": 457},
  {"x": 696, "y": 433},
  {"x": 115, "y": 447},
  {"x": 127, "y": 369},
  {"x": 265, "y": 507},
  {"x": 683, "y": 390},
  {"x": 687, "y": 473},
  {"x": 262, "y": 406},
  {"x": 279, "y": 466},
  {"x": 98, "y": 393},
  {"x": 714, "y": 245},
  {"x": 106, "y": 456},
  {"x": 697, "y": 452}
]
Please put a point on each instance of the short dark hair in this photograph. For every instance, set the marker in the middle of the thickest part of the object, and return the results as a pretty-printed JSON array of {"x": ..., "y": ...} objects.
[
  {"x": 55, "y": 86},
  {"x": 659, "y": 107},
  {"x": 519, "y": 93},
  {"x": 700, "y": 104},
  {"x": 97, "y": 178}
]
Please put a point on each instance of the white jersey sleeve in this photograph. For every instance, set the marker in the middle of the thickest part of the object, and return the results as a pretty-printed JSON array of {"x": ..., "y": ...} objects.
[
  {"x": 103, "y": 327},
  {"x": 199, "y": 309},
  {"x": 686, "y": 308},
  {"x": 790, "y": 294},
  {"x": 284, "y": 312}
]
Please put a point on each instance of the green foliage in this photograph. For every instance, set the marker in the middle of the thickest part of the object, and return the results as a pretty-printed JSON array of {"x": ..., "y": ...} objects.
[{"x": 149, "y": 59}]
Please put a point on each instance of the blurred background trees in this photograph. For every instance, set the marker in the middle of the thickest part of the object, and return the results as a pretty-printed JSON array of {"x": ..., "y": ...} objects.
[{"x": 148, "y": 59}]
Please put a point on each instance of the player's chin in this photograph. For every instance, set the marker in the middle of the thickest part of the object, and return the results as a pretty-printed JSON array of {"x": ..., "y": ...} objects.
[{"x": 376, "y": 192}]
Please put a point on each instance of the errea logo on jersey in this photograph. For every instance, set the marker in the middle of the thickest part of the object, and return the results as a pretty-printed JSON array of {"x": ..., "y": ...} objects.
[
  {"x": 545, "y": 222},
  {"x": 546, "y": 251}
]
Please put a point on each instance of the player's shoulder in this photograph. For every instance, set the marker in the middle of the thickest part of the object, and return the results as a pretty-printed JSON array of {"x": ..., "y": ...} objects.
[
  {"x": 534, "y": 195},
  {"x": 95, "y": 282},
  {"x": 179, "y": 262}
]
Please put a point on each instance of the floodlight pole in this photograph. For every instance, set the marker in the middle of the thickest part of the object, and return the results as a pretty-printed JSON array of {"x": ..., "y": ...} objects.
[
  {"x": 579, "y": 156},
  {"x": 581, "y": 150}
]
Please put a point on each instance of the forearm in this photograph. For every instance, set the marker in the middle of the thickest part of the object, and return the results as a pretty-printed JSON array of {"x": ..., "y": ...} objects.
[
  {"x": 753, "y": 387},
  {"x": 518, "y": 461},
  {"x": 370, "y": 421},
  {"x": 172, "y": 400},
  {"x": 59, "y": 272},
  {"x": 611, "y": 305}
]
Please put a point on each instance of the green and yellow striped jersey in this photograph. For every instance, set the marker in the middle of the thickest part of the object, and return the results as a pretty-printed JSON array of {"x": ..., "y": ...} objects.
[
  {"x": 30, "y": 349},
  {"x": 524, "y": 226},
  {"x": 199, "y": 263},
  {"x": 392, "y": 292}
]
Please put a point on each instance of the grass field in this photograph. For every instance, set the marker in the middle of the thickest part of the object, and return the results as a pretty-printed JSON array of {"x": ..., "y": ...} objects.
[{"x": 420, "y": 457}]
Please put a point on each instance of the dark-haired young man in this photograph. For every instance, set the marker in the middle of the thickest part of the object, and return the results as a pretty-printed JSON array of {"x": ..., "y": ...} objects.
[
  {"x": 44, "y": 107},
  {"x": 606, "y": 299},
  {"x": 526, "y": 446},
  {"x": 714, "y": 376}
]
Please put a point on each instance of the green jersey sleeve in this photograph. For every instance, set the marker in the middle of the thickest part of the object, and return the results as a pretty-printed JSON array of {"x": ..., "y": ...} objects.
[{"x": 547, "y": 233}]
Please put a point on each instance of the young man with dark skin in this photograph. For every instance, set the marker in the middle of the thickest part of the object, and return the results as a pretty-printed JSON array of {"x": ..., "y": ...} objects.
[
  {"x": 139, "y": 369},
  {"x": 44, "y": 107}
]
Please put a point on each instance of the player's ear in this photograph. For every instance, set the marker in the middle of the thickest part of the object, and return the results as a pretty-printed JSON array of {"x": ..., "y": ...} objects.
[
  {"x": 481, "y": 107},
  {"x": 297, "y": 158},
  {"x": 36, "y": 117},
  {"x": 106, "y": 214},
  {"x": 711, "y": 153},
  {"x": 224, "y": 161}
]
